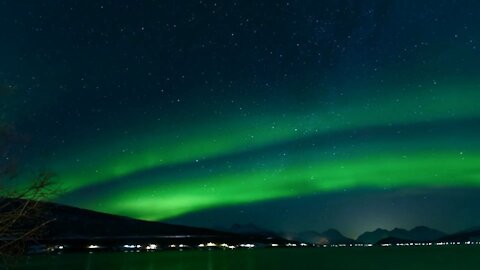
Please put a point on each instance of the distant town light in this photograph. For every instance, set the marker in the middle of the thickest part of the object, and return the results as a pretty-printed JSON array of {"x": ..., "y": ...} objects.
[
  {"x": 93, "y": 246},
  {"x": 151, "y": 246}
]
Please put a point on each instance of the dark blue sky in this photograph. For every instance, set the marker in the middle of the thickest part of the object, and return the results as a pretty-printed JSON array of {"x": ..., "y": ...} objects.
[{"x": 293, "y": 115}]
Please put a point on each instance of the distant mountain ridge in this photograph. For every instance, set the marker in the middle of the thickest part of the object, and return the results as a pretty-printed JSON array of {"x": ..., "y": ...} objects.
[
  {"x": 472, "y": 234},
  {"x": 328, "y": 237},
  {"x": 78, "y": 227},
  {"x": 378, "y": 236},
  {"x": 397, "y": 235},
  {"x": 71, "y": 222},
  {"x": 420, "y": 234},
  {"x": 75, "y": 224}
]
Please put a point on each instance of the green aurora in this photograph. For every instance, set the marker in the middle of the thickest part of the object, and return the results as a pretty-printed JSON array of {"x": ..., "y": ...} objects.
[
  {"x": 380, "y": 162},
  {"x": 79, "y": 167},
  {"x": 161, "y": 110}
]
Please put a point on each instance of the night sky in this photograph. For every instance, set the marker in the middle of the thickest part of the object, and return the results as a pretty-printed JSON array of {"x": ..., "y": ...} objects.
[{"x": 293, "y": 115}]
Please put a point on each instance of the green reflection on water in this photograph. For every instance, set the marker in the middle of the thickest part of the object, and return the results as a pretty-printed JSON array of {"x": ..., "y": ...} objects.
[{"x": 462, "y": 257}]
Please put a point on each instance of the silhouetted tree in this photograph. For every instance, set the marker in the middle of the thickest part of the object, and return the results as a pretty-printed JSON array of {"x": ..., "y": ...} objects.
[{"x": 21, "y": 213}]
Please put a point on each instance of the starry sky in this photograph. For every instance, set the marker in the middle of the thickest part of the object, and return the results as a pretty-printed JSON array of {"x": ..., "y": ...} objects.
[{"x": 293, "y": 115}]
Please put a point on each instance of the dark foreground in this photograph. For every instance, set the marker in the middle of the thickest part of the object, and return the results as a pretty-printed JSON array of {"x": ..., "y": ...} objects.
[{"x": 461, "y": 257}]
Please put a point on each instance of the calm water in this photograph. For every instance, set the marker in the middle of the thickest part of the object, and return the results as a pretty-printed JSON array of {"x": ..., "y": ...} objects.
[{"x": 313, "y": 258}]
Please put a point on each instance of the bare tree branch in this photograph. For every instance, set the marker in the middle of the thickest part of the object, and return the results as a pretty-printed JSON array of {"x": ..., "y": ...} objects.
[{"x": 21, "y": 211}]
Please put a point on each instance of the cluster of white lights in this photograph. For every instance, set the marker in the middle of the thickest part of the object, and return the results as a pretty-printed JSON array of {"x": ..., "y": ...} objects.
[
  {"x": 225, "y": 245},
  {"x": 93, "y": 246},
  {"x": 132, "y": 246},
  {"x": 448, "y": 243},
  {"x": 411, "y": 244},
  {"x": 348, "y": 245},
  {"x": 151, "y": 247},
  {"x": 210, "y": 244},
  {"x": 181, "y": 246}
]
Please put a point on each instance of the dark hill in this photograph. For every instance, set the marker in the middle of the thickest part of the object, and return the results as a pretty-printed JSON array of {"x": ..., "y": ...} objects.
[
  {"x": 78, "y": 227},
  {"x": 373, "y": 237},
  {"x": 467, "y": 235},
  {"x": 417, "y": 234},
  {"x": 328, "y": 237},
  {"x": 71, "y": 222}
]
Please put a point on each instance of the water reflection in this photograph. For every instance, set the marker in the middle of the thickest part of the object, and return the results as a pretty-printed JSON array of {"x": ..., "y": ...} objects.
[{"x": 427, "y": 257}]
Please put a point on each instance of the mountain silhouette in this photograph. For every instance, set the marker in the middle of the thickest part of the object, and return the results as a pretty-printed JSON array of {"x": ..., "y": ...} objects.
[
  {"x": 79, "y": 227},
  {"x": 328, "y": 237},
  {"x": 472, "y": 234},
  {"x": 419, "y": 234},
  {"x": 373, "y": 237}
]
